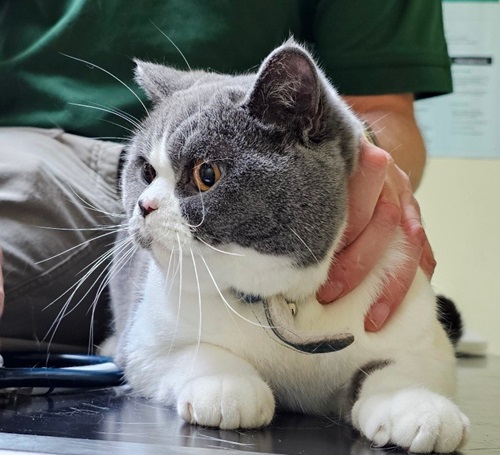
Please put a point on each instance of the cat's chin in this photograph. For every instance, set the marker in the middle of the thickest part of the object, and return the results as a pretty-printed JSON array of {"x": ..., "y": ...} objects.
[{"x": 164, "y": 246}]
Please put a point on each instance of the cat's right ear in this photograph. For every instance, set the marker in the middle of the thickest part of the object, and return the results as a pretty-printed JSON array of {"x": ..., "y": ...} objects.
[
  {"x": 287, "y": 92},
  {"x": 158, "y": 81}
]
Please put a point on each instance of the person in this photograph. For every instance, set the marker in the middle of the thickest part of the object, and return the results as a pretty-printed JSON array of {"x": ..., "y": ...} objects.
[{"x": 67, "y": 107}]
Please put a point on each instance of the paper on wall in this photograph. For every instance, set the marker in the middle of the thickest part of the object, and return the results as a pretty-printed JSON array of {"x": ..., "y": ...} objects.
[{"x": 467, "y": 122}]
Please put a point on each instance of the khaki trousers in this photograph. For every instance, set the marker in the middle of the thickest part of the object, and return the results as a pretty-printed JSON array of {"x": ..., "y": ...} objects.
[{"x": 57, "y": 191}]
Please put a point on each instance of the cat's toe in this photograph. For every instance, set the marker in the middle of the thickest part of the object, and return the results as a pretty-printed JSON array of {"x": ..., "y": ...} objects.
[
  {"x": 415, "y": 419},
  {"x": 226, "y": 402}
]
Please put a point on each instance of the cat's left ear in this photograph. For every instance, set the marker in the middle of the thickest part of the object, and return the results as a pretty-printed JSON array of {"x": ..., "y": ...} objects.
[
  {"x": 160, "y": 81},
  {"x": 287, "y": 91}
]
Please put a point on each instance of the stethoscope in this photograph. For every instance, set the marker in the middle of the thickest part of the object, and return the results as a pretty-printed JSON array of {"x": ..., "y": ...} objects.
[{"x": 41, "y": 373}]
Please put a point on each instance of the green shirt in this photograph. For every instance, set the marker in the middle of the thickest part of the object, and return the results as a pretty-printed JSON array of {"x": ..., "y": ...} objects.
[{"x": 364, "y": 46}]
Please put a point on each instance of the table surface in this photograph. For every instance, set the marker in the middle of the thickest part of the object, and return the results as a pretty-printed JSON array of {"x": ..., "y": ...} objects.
[{"x": 112, "y": 422}]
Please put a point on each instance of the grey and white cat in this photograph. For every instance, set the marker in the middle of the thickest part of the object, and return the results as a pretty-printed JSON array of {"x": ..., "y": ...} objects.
[{"x": 235, "y": 189}]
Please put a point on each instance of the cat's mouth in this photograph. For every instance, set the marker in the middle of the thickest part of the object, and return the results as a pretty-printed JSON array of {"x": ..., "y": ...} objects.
[{"x": 280, "y": 313}]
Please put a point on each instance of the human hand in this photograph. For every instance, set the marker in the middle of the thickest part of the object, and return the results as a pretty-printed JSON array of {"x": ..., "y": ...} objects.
[
  {"x": 380, "y": 200},
  {"x": 2, "y": 293}
]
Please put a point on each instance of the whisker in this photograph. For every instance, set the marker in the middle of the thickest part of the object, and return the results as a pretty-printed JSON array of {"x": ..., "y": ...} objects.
[
  {"x": 109, "y": 74},
  {"x": 122, "y": 262},
  {"x": 104, "y": 227},
  {"x": 180, "y": 280},
  {"x": 225, "y": 306},
  {"x": 94, "y": 264},
  {"x": 199, "y": 303},
  {"x": 170, "y": 279},
  {"x": 226, "y": 302},
  {"x": 172, "y": 43},
  {"x": 130, "y": 117},
  {"x": 379, "y": 119},
  {"x": 202, "y": 212},
  {"x": 123, "y": 127},
  {"x": 76, "y": 286},
  {"x": 89, "y": 206},
  {"x": 219, "y": 251},
  {"x": 109, "y": 111},
  {"x": 305, "y": 244},
  {"x": 110, "y": 138},
  {"x": 111, "y": 232}
]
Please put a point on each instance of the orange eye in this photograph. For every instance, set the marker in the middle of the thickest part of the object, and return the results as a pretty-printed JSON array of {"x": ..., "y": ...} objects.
[{"x": 205, "y": 175}]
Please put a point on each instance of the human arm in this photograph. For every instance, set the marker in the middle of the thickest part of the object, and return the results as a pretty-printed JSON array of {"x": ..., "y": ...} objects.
[
  {"x": 380, "y": 199},
  {"x": 391, "y": 118}
]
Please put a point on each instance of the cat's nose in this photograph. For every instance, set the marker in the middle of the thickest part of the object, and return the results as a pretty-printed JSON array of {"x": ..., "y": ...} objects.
[{"x": 147, "y": 206}]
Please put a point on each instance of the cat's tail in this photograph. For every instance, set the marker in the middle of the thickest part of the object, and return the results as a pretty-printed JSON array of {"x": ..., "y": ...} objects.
[{"x": 450, "y": 319}]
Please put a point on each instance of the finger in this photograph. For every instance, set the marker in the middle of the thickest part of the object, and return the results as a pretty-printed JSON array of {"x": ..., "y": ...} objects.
[
  {"x": 397, "y": 287},
  {"x": 393, "y": 294},
  {"x": 357, "y": 260},
  {"x": 427, "y": 260},
  {"x": 364, "y": 189},
  {"x": 411, "y": 222},
  {"x": 416, "y": 234}
]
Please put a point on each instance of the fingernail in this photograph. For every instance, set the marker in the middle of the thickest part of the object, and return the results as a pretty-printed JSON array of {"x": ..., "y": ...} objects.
[
  {"x": 329, "y": 292},
  {"x": 378, "y": 314}
]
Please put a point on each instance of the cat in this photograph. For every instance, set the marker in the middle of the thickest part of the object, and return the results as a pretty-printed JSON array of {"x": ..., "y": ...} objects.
[{"x": 235, "y": 193}]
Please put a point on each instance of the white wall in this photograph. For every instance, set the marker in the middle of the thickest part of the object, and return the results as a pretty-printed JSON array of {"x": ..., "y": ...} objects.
[{"x": 460, "y": 202}]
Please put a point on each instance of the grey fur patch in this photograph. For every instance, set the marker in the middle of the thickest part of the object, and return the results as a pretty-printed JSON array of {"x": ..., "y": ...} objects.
[{"x": 285, "y": 144}]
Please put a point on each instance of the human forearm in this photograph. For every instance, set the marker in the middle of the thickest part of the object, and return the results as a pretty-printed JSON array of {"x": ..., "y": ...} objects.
[
  {"x": 392, "y": 119},
  {"x": 381, "y": 200}
]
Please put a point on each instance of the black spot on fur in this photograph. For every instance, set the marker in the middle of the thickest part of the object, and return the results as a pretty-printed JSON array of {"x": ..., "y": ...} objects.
[
  {"x": 360, "y": 376},
  {"x": 450, "y": 319}
]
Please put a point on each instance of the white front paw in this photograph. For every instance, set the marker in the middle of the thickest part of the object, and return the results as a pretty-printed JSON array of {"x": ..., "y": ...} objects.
[
  {"x": 415, "y": 419},
  {"x": 227, "y": 402}
]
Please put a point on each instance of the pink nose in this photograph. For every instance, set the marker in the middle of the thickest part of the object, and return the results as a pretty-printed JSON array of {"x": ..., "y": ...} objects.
[{"x": 147, "y": 206}]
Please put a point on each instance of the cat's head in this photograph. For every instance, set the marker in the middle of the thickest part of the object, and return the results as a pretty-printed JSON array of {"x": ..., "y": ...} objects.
[{"x": 253, "y": 165}]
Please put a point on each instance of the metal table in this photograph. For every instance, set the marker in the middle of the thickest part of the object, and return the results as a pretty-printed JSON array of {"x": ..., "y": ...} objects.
[{"x": 110, "y": 421}]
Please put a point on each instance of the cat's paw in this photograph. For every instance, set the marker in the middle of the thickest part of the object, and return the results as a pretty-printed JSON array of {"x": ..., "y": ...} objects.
[
  {"x": 226, "y": 402},
  {"x": 416, "y": 419}
]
